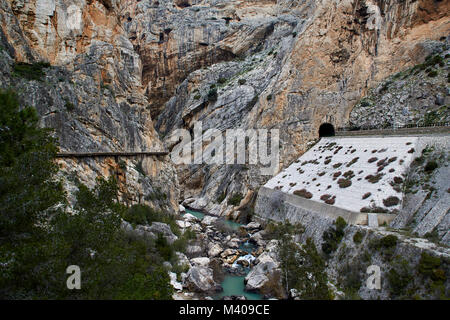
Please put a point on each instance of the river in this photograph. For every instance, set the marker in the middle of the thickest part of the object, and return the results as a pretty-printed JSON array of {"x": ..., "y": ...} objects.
[{"x": 233, "y": 285}]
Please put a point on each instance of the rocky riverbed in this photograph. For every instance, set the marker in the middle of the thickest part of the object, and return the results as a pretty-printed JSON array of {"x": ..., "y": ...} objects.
[{"x": 224, "y": 261}]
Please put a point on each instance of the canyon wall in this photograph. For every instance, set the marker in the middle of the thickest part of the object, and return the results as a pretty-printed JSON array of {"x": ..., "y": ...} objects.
[
  {"x": 290, "y": 65},
  {"x": 122, "y": 68},
  {"x": 74, "y": 62}
]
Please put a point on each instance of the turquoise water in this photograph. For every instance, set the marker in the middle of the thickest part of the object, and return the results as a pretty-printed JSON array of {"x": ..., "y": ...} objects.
[
  {"x": 196, "y": 214},
  {"x": 234, "y": 286},
  {"x": 233, "y": 225},
  {"x": 247, "y": 247}
]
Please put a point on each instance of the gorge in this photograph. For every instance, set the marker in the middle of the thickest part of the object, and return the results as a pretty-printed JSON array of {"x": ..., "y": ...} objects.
[{"x": 354, "y": 88}]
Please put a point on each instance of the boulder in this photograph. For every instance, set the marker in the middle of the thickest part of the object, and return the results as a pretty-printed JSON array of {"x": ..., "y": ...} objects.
[
  {"x": 200, "y": 261},
  {"x": 184, "y": 224},
  {"x": 174, "y": 283},
  {"x": 231, "y": 259},
  {"x": 190, "y": 218},
  {"x": 229, "y": 252},
  {"x": 182, "y": 259},
  {"x": 208, "y": 220},
  {"x": 164, "y": 229},
  {"x": 258, "y": 238},
  {"x": 188, "y": 201},
  {"x": 196, "y": 227},
  {"x": 233, "y": 243},
  {"x": 139, "y": 231},
  {"x": 214, "y": 250},
  {"x": 181, "y": 208},
  {"x": 194, "y": 250},
  {"x": 252, "y": 226},
  {"x": 259, "y": 275},
  {"x": 200, "y": 279}
]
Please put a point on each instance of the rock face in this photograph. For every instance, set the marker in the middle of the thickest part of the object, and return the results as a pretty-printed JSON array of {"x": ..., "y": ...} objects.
[
  {"x": 274, "y": 64},
  {"x": 91, "y": 94},
  {"x": 175, "y": 38},
  {"x": 416, "y": 96}
]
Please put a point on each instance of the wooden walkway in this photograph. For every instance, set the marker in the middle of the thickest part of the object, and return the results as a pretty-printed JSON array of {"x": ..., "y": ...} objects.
[{"x": 110, "y": 154}]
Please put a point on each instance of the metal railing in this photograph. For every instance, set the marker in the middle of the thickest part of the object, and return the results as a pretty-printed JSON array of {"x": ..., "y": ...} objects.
[{"x": 407, "y": 126}]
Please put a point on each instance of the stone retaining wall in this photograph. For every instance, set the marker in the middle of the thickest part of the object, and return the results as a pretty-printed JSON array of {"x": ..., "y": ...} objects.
[{"x": 279, "y": 206}]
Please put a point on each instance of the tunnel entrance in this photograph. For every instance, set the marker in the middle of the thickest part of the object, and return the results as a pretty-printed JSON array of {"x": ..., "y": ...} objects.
[{"x": 326, "y": 130}]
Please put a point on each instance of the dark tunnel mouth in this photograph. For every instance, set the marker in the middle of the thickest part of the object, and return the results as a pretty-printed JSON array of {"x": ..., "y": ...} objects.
[{"x": 326, "y": 130}]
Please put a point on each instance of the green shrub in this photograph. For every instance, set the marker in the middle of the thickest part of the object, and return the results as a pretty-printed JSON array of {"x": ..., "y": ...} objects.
[
  {"x": 429, "y": 264},
  {"x": 122, "y": 165},
  {"x": 197, "y": 96},
  {"x": 221, "y": 197},
  {"x": 303, "y": 193},
  {"x": 366, "y": 195},
  {"x": 235, "y": 199},
  {"x": 165, "y": 250},
  {"x": 399, "y": 278},
  {"x": 212, "y": 95},
  {"x": 386, "y": 242},
  {"x": 28, "y": 71},
  {"x": 242, "y": 82},
  {"x": 357, "y": 237},
  {"x": 430, "y": 166},
  {"x": 391, "y": 201},
  {"x": 69, "y": 105},
  {"x": 344, "y": 183},
  {"x": 333, "y": 236},
  {"x": 222, "y": 81},
  {"x": 389, "y": 241},
  {"x": 269, "y": 97},
  {"x": 432, "y": 73}
]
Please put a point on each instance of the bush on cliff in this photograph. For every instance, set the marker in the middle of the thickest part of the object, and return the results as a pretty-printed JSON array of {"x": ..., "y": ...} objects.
[{"x": 333, "y": 236}]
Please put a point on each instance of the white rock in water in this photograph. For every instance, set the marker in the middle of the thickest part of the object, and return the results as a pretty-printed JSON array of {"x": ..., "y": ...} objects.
[
  {"x": 252, "y": 225},
  {"x": 233, "y": 243},
  {"x": 208, "y": 220},
  {"x": 181, "y": 208},
  {"x": 188, "y": 201},
  {"x": 259, "y": 275},
  {"x": 215, "y": 250},
  {"x": 191, "y": 218}
]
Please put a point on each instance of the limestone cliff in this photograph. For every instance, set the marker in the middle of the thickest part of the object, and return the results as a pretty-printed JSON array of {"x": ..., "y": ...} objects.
[
  {"x": 75, "y": 64},
  {"x": 291, "y": 65},
  {"x": 121, "y": 68}
]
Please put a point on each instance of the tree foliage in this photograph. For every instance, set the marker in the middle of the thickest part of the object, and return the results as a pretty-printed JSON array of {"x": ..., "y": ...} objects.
[{"x": 40, "y": 237}]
